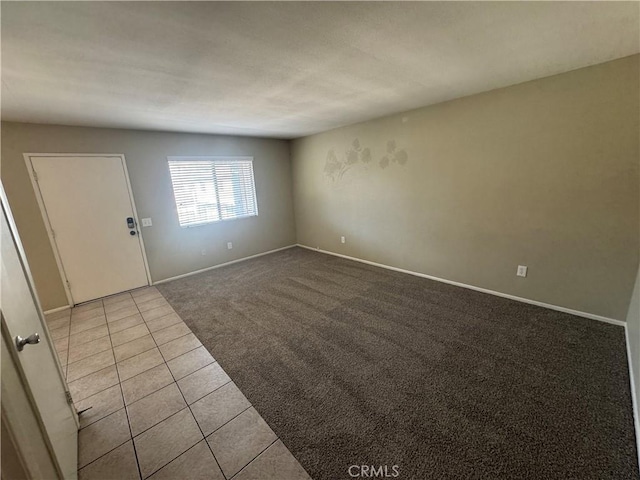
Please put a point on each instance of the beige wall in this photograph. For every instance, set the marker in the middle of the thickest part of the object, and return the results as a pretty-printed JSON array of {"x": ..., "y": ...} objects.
[
  {"x": 543, "y": 174},
  {"x": 171, "y": 250}
]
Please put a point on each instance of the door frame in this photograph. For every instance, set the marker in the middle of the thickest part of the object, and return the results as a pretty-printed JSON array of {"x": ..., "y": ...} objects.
[{"x": 47, "y": 223}]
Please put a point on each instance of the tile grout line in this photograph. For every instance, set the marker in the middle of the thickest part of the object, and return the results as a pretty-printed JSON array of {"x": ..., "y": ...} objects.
[
  {"x": 169, "y": 341},
  {"x": 84, "y": 321},
  {"x": 165, "y": 386},
  {"x": 84, "y": 332},
  {"x": 177, "y": 386},
  {"x": 124, "y": 403},
  {"x": 159, "y": 422},
  {"x": 125, "y": 343},
  {"x": 190, "y": 448},
  {"x": 93, "y": 354},
  {"x": 256, "y": 457},
  {"x": 107, "y": 321},
  {"x": 89, "y": 313},
  {"x": 143, "y": 372},
  {"x": 76, "y": 313},
  {"x": 132, "y": 299},
  {"x": 101, "y": 418},
  {"x": 230, "y": 420},
  {"x": 87, "y": 357},
  {"x": 204, "y": 438},
  {"x": 185, "y": 402},
  {"x": 188, "y": 351},
  {"x": 95, "y": 371},
  {"x": 106, "y": 416},
  {"x": 112, "y": 413},
  {"x": 99, "y": 391},
  {"x": 215, "y": 389},
  {"x": 191, "y": 373},
  {"x": 106, "y": 453}
]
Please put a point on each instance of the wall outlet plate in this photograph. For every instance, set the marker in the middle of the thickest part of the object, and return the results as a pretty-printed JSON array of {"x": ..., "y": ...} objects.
[
  {"x": 229, "y": 245},
  {"x": 522, "y": 271},
  {"x": 146, "y": 222},
  {"x": 343, "y": 240}
]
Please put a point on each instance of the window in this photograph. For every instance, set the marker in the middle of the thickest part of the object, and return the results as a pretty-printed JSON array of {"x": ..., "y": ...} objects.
[{"x": 213, "y": 189}]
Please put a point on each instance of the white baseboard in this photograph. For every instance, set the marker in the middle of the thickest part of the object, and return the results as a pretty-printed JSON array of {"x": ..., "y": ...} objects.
[
  {"x": 54, "y": 310},
  {"x": 477, "y": 289},
  {"x": 634, "y": 394},
  {"x": 243, "y": 259}
]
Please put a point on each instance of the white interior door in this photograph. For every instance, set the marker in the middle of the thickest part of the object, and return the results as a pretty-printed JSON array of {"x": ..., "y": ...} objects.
[
  {"x": 87, "y": 202},
  {"x": 36, "y": 364}
]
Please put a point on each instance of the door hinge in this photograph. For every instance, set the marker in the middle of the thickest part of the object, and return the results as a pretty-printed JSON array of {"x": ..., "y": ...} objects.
[
  {"x": 35, "y": 174},
  {"x": 68, "y": 285},
  {"x": 68, "y": 395},
  {"x": 53, "y": 233}
]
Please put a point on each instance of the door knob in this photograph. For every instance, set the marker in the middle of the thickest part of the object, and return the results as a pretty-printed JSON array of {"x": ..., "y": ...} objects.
[{"x": 30, "y": 340}]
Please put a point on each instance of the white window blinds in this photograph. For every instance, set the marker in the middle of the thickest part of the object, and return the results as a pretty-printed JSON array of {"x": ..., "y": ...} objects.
[{"x": 213, "y": 189}]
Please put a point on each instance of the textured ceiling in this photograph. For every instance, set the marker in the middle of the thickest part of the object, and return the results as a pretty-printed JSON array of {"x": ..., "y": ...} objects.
[{"x": 285, "y": 69}]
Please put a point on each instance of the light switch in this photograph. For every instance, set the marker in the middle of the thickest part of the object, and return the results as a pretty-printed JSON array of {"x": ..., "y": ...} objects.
[{"x": 146, "y": 222}]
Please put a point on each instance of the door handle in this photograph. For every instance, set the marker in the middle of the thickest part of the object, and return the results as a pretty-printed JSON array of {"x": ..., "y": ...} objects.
[{"x": 30, "y": 340}]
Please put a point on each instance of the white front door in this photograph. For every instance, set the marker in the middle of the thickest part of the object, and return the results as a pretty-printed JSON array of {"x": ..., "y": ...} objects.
[
  {"x": 89, "y": 208},
  {"x": 40, "y": 372}
]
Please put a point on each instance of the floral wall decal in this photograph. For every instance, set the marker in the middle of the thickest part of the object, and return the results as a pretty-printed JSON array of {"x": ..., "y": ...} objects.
[
  {"x": 336, "y": 166},
  {"x": 393, "y": 155}
]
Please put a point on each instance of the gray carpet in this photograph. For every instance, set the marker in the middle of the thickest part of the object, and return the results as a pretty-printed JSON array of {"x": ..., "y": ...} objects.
[{"x": 356, "y": 365}]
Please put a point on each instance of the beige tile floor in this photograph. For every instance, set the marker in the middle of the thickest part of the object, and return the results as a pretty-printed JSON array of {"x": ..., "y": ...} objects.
[{"x": 158, "y": 404}]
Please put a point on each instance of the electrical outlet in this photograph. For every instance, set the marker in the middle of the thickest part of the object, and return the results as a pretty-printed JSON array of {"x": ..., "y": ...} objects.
[
  {"x": 146, "y": 222},
  {"x": 522, "y": 271},
  {"x": 343, "y": 240},
  {"x": 203, "y": 252},
  {"x": 229, "y": 245}
]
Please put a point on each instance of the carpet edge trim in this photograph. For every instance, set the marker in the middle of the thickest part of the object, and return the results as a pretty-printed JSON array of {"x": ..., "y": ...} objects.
[
  {"x": 219, "y": 265},
  {"x": 578, "y": 313}
]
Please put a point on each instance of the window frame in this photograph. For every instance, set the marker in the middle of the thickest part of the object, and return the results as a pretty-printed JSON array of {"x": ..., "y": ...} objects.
[{"x": 213, "y": 158}]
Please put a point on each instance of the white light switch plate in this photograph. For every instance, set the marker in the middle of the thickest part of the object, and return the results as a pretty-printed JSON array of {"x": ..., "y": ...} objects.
[{"x": 146, "y": 222}]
